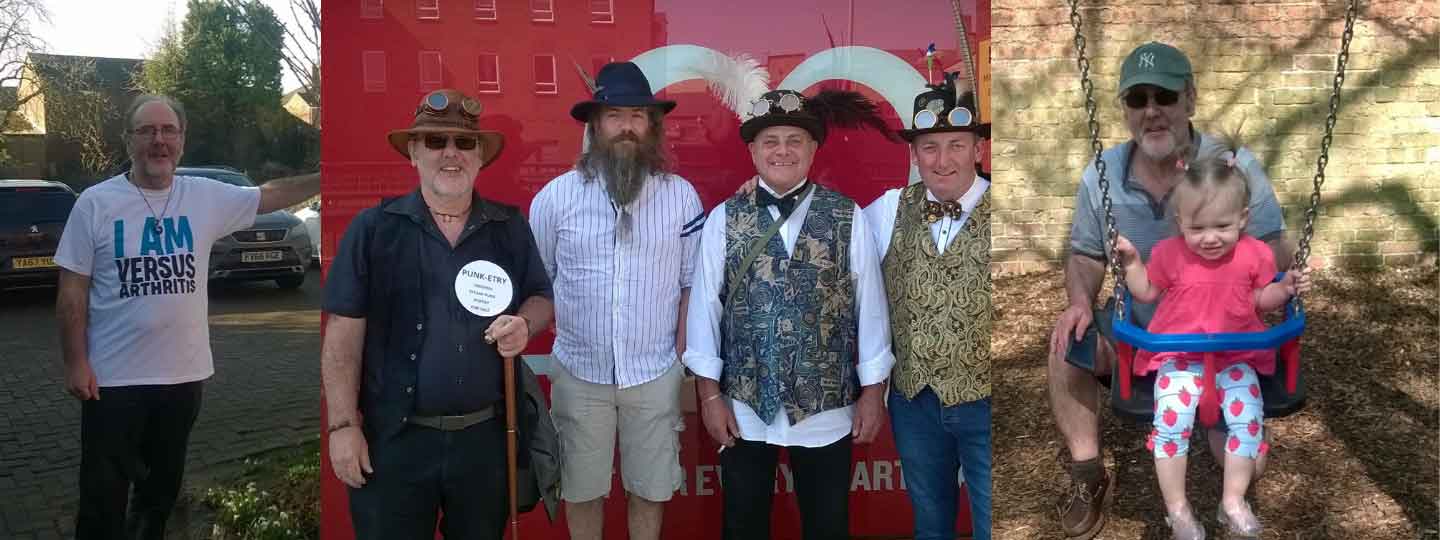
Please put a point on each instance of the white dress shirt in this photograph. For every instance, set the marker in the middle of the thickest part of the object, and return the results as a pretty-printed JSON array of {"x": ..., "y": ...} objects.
[
  {"x": 617, "y": 295},
  {"x": 881, "y": 216},
  {"x": 702, "y": 329}
]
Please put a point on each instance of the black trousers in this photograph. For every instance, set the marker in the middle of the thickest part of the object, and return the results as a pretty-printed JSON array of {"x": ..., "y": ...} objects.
[
  {"x": 133, "y": 436},
  {"x": 422, "y": 472},
  {"x": 822, "y": 489}
]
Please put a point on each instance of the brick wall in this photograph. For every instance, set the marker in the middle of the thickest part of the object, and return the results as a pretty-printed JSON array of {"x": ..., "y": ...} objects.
[{"x": 1269, "y": 64}]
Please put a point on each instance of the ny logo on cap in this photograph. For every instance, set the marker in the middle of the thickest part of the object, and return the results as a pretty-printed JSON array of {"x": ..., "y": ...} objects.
[{"x": 1147, "y": 60}]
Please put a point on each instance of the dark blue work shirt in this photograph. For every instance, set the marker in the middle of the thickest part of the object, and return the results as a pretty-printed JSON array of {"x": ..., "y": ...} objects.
[{"x": 425, "y": 354}]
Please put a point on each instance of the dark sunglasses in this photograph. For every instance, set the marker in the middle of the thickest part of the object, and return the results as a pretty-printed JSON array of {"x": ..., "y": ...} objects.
[
  {"x": 1138, "y": 99},
  {"x": 462, "y": 142}
]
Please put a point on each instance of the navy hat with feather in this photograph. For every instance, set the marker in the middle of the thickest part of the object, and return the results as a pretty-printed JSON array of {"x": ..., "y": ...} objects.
[{"x": 619, "y": 84}]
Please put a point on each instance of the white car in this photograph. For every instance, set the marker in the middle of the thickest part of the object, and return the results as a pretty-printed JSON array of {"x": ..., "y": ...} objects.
[{"x": 311, "y": 216}]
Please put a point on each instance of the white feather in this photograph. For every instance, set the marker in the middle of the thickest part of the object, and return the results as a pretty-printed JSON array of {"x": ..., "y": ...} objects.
[{"x": 735, "y": 80}]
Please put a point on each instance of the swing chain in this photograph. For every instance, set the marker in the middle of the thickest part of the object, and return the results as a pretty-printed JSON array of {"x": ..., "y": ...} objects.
[
  {"x": 1112, "y": 234},
  {"x": 1302, "y": 252}
]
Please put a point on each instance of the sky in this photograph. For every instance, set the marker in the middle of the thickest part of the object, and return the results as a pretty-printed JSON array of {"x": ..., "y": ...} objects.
[{"x": 124, "y": 29}]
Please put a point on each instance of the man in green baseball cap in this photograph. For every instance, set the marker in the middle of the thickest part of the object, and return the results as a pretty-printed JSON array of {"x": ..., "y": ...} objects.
[{"x": 1157, "y": 92}]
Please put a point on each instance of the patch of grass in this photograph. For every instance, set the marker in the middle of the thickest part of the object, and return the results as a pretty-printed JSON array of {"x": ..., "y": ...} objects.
[{"x": 277, "y": 497}]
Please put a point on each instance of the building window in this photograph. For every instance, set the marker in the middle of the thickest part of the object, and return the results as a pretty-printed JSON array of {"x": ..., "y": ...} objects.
[
  {"x": 430, "y": 71},
  {"x": 545, "y": 80},
  {"x": 485, "y": 10},
  {"x": 427, "y": 9},
  {"x": 489, "y": 73},
  {"x": 542, "y": 10},
  {"x": 372, "y": 65},
  {"x": 602, "y": 11},
  {"x": 372, "y": 9}
]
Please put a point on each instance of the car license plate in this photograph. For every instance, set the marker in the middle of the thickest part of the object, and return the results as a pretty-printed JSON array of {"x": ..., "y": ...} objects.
[
  {"x": 21, "y": 263},
  {"x": 261, "y": 256}
]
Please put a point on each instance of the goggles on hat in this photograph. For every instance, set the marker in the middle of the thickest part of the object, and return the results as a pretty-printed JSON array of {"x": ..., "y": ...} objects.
[
  {"x": 788, "y": 103},
  {"x": 959, "y": 117},
  {"x": 437, "y": 141},
  {"x": 1138, "y": 99},
  {"x": 437, "y": 103}
]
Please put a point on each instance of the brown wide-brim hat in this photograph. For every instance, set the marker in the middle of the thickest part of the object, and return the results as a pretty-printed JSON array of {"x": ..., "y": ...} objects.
[{"x": 450, "y": 112}]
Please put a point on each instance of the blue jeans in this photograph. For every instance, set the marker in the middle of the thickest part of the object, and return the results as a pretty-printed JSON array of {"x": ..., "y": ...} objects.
[{"x": 934, "y": 442}]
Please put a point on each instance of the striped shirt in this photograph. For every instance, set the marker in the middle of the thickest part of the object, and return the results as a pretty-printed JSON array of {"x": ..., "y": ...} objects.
[{"x": 617, "y": 287}]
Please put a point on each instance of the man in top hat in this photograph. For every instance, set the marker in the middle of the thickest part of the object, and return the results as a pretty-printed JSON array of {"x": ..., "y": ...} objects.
[
  {"x": 1157, "y": 91},
  {"x": 413, "y": 378},
  {"x": 788, "y": 295},
  {"x": 617, "y": 235},
  {"x": 933, "y": 239}
]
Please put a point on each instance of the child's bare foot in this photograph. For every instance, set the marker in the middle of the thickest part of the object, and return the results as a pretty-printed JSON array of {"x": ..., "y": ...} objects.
[
  {"x": 1237, "y": 517},
  {"x": 1184, "y": 526}
]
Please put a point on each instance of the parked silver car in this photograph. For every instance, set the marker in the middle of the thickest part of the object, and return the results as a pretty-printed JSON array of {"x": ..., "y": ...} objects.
[{"x": 277, "y": 246}]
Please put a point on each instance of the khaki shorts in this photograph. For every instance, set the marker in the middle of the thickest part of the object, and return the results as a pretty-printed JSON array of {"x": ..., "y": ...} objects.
[{"x": 647, "y": 417}]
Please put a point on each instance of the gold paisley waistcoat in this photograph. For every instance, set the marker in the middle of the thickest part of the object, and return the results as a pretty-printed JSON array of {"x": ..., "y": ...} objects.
[
  {"x": 940, "y": 310},
  {"x": 789, "y": 339}
]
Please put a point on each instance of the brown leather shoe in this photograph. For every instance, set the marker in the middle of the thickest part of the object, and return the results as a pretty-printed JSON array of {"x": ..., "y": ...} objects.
[{"x": 1082, "y": 507}]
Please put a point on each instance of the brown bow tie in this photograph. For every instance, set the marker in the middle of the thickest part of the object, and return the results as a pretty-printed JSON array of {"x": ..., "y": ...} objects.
[{"x": 936, "y": 210}]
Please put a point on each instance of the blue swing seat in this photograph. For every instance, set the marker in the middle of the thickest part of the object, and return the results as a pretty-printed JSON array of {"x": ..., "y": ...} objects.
[{"x": 1283, "y": 392}]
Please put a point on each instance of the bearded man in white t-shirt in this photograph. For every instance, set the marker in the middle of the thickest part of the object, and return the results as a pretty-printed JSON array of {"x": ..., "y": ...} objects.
[{"x": 132, "y": 305}]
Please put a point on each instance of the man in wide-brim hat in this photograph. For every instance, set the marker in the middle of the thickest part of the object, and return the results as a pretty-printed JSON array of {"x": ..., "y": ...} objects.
[
  {"x": 933, "y": 239},
  {"x": 618, "y": 235},
  {"x": 779, "y": 314},
  {"x": 413, "y": 379}
]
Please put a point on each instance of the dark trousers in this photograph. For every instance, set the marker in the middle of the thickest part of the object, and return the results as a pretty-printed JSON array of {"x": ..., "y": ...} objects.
[
  {"x": 133, "y": 436},
  {"x": 822, "y": 489},
  {"x": 422, "y": 472}
]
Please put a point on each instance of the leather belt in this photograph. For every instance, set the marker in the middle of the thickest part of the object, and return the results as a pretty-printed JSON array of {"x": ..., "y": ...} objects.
[{"x": 453, "y": 423}]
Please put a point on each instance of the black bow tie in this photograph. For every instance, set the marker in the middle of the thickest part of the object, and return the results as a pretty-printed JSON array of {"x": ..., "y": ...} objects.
[
  {"x": 785, "y": 204},
  {"x": 936, "y": 210}
]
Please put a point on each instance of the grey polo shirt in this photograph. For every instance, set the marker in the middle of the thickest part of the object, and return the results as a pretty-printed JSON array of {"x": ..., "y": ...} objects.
[{"x": 1146, "y": 221}]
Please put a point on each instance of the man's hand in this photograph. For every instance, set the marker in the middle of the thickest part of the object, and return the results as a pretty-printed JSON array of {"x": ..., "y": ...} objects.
[
  {"x": 80, "y": 381},
  {"x": 350, "y": 456},
  {"x": 749, "y": 186},
  {"x": 1070, "y": 326},
  {"x": 719, "y": 419},
  {"x": 869, "y": 414},
  {"x": 509, "y": 334}
]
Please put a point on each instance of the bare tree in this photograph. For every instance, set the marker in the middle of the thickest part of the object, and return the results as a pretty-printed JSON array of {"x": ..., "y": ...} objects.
[
  {"x": 302, "y": 47},
  {"x": 17, "y": 40}
]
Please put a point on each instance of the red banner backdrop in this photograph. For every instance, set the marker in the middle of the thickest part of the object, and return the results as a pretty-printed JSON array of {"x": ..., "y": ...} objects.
[{"x": 520, "y": 59}]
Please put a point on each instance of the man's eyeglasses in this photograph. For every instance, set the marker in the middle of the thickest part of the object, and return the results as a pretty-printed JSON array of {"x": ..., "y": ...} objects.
[
  {"x": 1138, "y": 99},
  {"x": 168, "y": 133},
  {"x": 462, "y": 142}
]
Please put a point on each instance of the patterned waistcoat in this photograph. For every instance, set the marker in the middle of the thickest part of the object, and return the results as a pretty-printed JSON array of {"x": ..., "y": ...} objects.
[
  {"x": 789, "y": 339},
  {"x": 940, "y": 311}
]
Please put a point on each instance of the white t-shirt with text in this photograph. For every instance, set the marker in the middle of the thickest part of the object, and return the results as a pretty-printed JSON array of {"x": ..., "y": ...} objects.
[{"x": 148, "y": 318}]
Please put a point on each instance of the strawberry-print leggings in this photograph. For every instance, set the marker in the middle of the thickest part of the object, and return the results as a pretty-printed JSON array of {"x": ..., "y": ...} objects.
[{"x": 1177, "y": 395}]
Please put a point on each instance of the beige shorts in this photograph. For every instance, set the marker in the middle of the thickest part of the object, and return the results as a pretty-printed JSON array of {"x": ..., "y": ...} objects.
[{"x": 647, "y": 418}]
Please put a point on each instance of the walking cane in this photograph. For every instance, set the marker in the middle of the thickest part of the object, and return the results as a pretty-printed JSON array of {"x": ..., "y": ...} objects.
[{"x": 511, "y": 451}]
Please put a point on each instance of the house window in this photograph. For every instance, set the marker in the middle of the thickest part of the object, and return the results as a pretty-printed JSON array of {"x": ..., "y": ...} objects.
[
  {"x": 489, "y": 74},
  {"x": 545, "y": 80},
  {"x": 430, "y": 71},
  {"x": 427, "y": 9},
  {"x": 485, "y": 10},
  {"x": 372, "y": 66},
  {"x": 542, "y": 10},
  {"x": 602, "y": 11},
  {"x": 372, "y": 9}
]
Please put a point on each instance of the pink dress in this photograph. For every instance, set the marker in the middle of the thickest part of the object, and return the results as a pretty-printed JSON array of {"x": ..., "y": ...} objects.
[{"x": 1203, "y": 296}]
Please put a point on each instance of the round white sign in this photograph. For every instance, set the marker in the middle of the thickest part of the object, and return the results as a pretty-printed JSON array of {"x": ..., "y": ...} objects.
[{"x": 484, "y": 288}]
